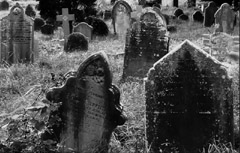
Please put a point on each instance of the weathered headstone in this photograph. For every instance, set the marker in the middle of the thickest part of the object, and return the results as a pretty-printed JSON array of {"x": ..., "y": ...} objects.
[
  {"x": 189, "y": 101},
  {"x": 85, "y": 29},
  {"x": 76, "y": 41},
  {"x": 145, "y": 44},
  {"x": 178, "y": 12},
  {"x": 158, "y": 10},
  {"x": 183, "y": 17},
  {"x": 65, "y": 18},
  {"x": 17, "y": 37},
  {"x": 224, "y": 17},
  {"x": 47, "y": 29},
  {"x": 4, "y": 5},
  {"x": 209, "y": 18},
  {"x": 149, "y": 15},
  {"x": 135, "y": 15},
  {"x": 121, "y": 15},
  {"x": 198, "y": 16},
  {"x": 90, "y": 109}
]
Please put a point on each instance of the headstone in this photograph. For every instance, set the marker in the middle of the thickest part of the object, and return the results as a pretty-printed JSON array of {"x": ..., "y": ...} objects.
[
  {"x": 198, "y": 16},
  {"x": 60, "y": 33},
  {"x": 189, "y": 101},
  {"x": 85, "y": 29},
  {"x": 178, "y": 12},
  {"x": 121, "y": 16},
  {"x": 76, "y": 41},
  {"x": 17, "y": 37},
  {"x": 183, "y": 17},
  {"x": 47, "y": 29},
  {"x": 209, "y": 18},
  {"x": 158, "y": 10},
  {"x": 137, "y": 13},
  {"x": 224, "y": 17},
  {"x": 4, "y": 5},
  {"x": 100, "y": 28},
  {"x": 65, "y": 18},
  {"x": 38, "y": 23},
  {"x": 145, "y": 44},
  {"x": 90, "y": 109}
]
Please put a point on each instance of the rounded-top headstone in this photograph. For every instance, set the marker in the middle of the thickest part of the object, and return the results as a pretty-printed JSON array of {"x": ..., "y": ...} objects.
[
  {"x": 198, "y": 16},
  {"x": 183, "y": 17},
  {"x": 100, "y": 28},
  {"x": 178, "y": 12},
  {"x": 4, "y": 5},
  {"x": 76, "y": 41},
  {"x": 38, "y": 23},
  {"x": 209, "y": 18}
]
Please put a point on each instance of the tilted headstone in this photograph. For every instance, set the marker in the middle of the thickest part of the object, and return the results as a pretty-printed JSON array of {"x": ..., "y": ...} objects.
[
  {"x": 198, "y": 16},
  {"x": 224, "y": 17},
  {"x": 17, "y": 37},
  {"x": 189, "y": 101},
  {"x": 85, "y": 29},
  {"x": 65, "y": 18},
  {"x": 4, "y": 5},
  {"x": 47, "y": 29},
  {"x": 209, "y": 18},
  {"x": 90, "y": 109},
  {"x": 178, "y": 12},
  {"x": 121, "y": 17},
  {"x": 145, "y": 44}
]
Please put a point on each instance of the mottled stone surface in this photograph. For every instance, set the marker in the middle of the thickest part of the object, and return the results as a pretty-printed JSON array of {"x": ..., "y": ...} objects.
[
  {"x": 209, "y": 18},
  {"x": 224, "y": 17},
  {"x": 188, "y": 101},
  {"x": 17, "y": 37},
  {"x": 90, "y": 108},
  {"x": 85, "y": 29}
]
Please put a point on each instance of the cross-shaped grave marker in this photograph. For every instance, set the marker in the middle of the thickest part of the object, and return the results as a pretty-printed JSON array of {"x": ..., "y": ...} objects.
[
  {"x": 136, "y": 14},
  {"x": 65, "y": 18}
]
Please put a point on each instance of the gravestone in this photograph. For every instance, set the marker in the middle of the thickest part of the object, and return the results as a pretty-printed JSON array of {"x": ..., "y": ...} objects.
[
  {"x": 189, "y": 101},
  {"x": 76, "y": 41},
  {"x": 146, "y": 43},
  {"x": 183, "y": 17},
  {"x": 224, "y": 17},
  {"x": 209, "y": 18},
  {"x": 85, "y": 29},
  {"x": 90, "y": 109},
  {"x": 17, "y": 37},
  {"x": 158, "y": 10},
  {"x": 135, "y": 15},
  {"x": 198, "y": 16},
  {"x": 4, "y": 5},
  {"x": 65, "y": 18},
  {"x": 47, "y": 29},
  {"x": 178, "y": 12},
  {"x": 121, "y": 16},
  {"x": 149, "y": 15}
]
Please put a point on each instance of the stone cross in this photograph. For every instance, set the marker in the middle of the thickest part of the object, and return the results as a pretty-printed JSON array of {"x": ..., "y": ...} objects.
[{"x": 65, "y": 18}]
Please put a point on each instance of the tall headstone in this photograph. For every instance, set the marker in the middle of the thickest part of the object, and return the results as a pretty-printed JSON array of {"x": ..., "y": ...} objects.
[
  {"x": 146, "y": 43},
  {"x": 209, "y": 18},
  {"x": 158, "y": 10},
  {"x": 65, "y": 18},
  {"x": 121, "y": 17},
  {"x": 224, "y": 17},
  {"x": 85, "y": 29},
  {"x": 189, "y": 101},
  {"x": 90, "y": 109},
  {"x": 17, "y": 37}
]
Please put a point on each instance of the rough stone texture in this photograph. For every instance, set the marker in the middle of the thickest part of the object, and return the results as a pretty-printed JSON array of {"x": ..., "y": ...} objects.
[
  {"x": 85, "y": 29},
  {"x": 164, "y": 17},
  {"x": 146, "y": 43},
  {"x": 17, "y": 37},
  {"x": 76, "y": 41},
  {"x": 198, "y": 16},
  {"x": 121, "y": 15},
  {"x": 47, "y": 29},
  {"x": 38, "y": 23},
  {"x": 225, "y": 18},
  {"x": 90, "y": 109},
  {"x": 188, "y": 101},
  {"x": 178, "y": 12},
  {"x": 209, "y": 18},
  {"x": 4, "y": 5},
  {"x": 183, "y": 17}
]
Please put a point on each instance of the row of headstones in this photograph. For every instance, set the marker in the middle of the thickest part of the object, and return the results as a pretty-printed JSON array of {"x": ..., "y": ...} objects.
[{"x": 188, "y": 103}]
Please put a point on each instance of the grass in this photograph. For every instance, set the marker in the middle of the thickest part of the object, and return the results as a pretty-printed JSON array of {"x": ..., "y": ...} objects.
[{"x": 23, "y": 85}]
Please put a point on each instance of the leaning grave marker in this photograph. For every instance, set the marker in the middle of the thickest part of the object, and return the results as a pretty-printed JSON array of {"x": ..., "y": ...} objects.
[
  {"x": 209, "y": 18},
  {"x": 90, "y": 107},
  {"x": 188, "y": 101},
  {"x": 146, "y": 43},
  {"x": 85, "y": 29},
  {"x": 17, "y": 37}
]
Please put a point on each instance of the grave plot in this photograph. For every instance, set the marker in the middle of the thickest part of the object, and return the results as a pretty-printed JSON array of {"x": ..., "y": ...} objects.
[{"x": 189, "y": 101}]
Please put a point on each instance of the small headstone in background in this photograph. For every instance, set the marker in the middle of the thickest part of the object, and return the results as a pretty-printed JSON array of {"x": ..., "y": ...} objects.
[
  {"x": 178, "y": 12},
  {"x": 60, "y": 33},
  {"x": 135, "y": 15},
  {"x": 100, "y": 28},
  {"x": 17, "y": 37},
  {"x": 163, "y": 16},
  {"x": 121, "y": 15},
  {"x": 4, "y": 5},
  {"x": 189, "y": 101},
  {"x": 47, "y": 29},
  {"x": 183, "y": 17},
  {"x": 30, "y": 11},
  {"x": 85, "y": 29},
  {"x": 209, "y": 18},
  {"x": 198, "y": 16},
  {"x": 76, "y": 41},
  {"x": 224, "y": 17},
  {"x": 90, "y": 109},
  {"x": 38, "y": 23}
]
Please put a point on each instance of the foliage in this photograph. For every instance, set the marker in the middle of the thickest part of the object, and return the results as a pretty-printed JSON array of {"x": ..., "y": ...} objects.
[{"x": 30, "y": 11}]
